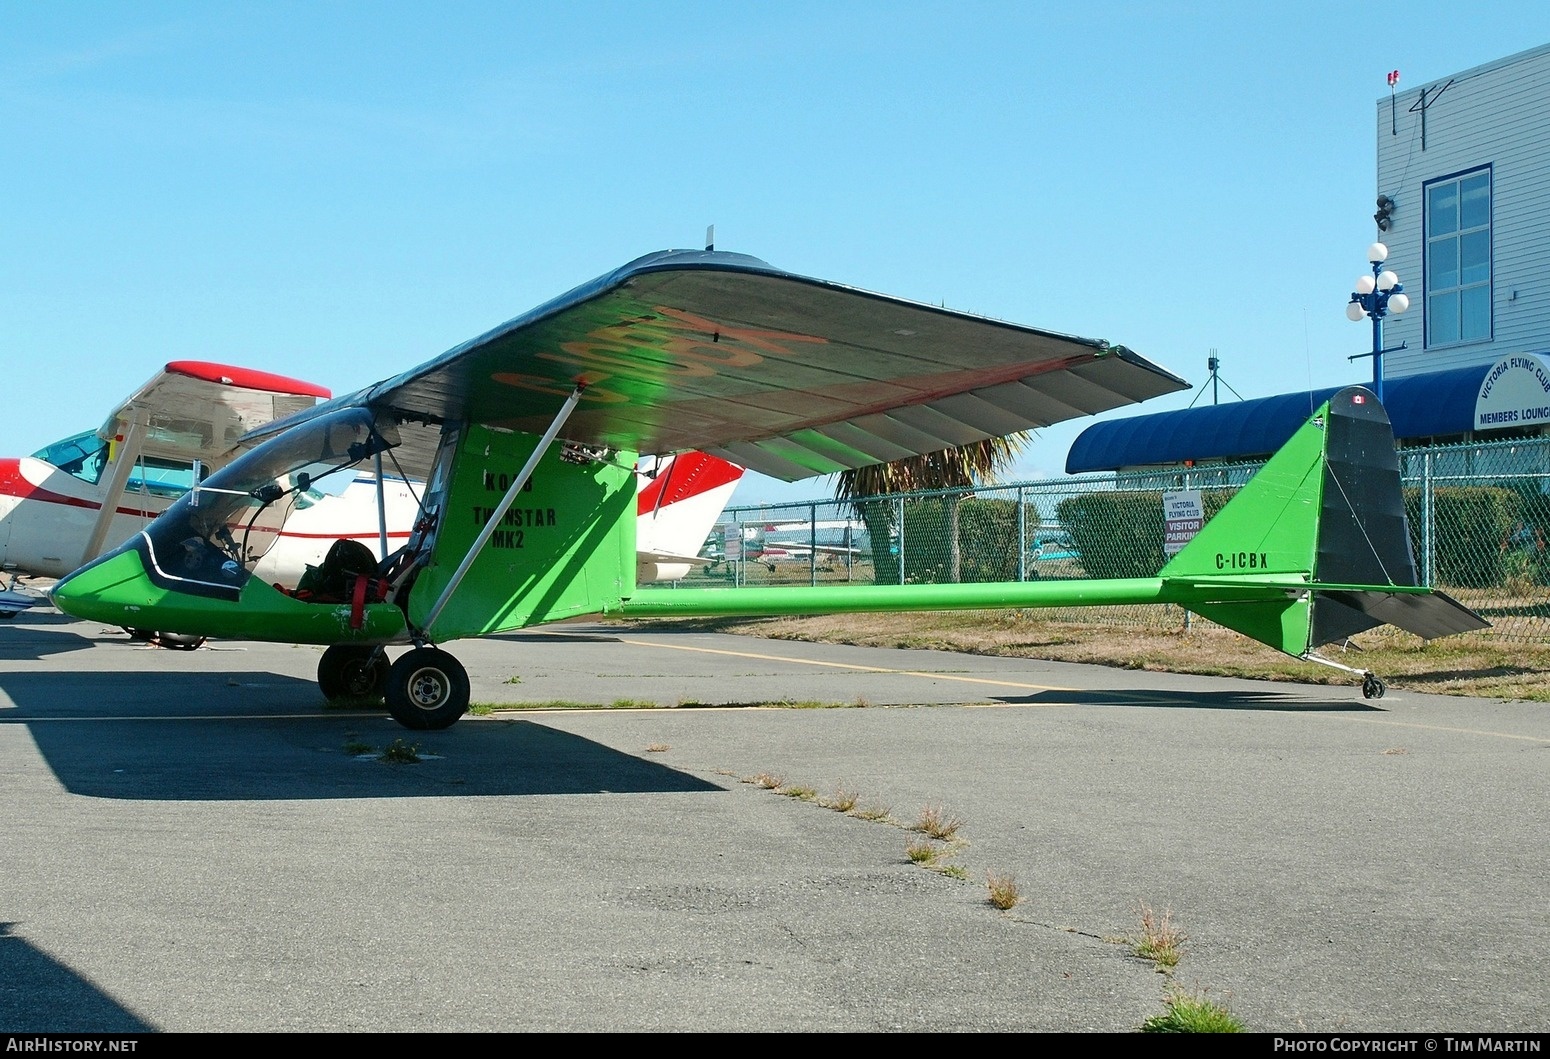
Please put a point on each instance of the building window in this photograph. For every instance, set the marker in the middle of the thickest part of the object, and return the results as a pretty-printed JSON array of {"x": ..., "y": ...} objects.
[{"x": 1458, "y": 259}]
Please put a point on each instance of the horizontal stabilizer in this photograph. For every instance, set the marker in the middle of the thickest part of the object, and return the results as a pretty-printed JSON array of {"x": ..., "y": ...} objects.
[{"x": 1338, "y": 615}]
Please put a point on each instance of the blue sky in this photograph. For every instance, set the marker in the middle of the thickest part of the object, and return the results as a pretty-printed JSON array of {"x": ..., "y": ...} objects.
[{"x": 340, "y": 191}]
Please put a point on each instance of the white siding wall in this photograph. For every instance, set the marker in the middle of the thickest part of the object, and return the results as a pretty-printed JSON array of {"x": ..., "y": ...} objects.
[{"x": 1497, "y": 115}]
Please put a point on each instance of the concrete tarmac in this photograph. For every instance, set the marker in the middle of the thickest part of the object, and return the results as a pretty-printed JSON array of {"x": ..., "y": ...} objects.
[{"x": 193, "y": 842}]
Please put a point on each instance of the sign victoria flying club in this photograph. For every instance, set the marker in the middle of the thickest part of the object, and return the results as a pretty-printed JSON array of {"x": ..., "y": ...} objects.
[{"x": 1515, "y": 393}]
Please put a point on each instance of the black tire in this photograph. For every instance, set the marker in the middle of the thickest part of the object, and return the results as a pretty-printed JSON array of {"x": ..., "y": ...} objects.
[
  {"x": 170, "y": 640},
  {"x": 351, "y": 671},
  {"x": 427, "y": 689},
  {"x": 178, "y": 642}
]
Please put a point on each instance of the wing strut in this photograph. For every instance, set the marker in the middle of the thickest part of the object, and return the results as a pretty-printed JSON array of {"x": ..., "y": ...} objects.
[
  {"x": 382, "y": 543},
  {"x": 501, "y": 508},
  {"x": 127, "y": 454}
]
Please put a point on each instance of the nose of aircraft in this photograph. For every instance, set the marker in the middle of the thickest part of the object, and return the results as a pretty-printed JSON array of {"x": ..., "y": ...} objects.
[{"x": 111, "y": 589}]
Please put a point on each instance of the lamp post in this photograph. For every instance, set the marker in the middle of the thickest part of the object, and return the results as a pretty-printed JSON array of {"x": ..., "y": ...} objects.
[{"x": 1376, "y": 296}]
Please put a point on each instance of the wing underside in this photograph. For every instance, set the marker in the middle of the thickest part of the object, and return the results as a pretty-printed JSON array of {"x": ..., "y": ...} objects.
[
  {"x": 786, "y": 375},
  {"x": 199, "y": 410}
]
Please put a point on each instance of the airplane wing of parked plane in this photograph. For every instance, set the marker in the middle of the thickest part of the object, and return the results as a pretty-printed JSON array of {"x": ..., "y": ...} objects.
[
  {"x": 779, "y": 373},
  {"x": 528, "y": 437},
  {"x": 199, "y": 410},
  {"x": 61, "y": 506}
]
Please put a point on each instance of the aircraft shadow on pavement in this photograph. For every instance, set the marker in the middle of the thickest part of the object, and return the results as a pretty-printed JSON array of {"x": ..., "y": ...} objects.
[
  {"x": 243, "y": 736},
  {"x": 1259, "y": 701},
  {"x": 31, "y": 637},
  {"x": 38, "y": 988},
  {"x": 554, "y": 637}
]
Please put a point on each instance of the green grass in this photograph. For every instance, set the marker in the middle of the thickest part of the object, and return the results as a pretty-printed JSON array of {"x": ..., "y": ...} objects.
[{"x": 1192, "y": 1014}]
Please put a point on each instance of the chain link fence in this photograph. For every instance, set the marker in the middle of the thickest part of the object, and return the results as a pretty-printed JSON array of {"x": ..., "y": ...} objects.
[{"x": 1479, "y": 523}]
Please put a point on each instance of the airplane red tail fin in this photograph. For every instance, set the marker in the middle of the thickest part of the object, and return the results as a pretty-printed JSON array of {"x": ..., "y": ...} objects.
[{"x": 678, "y": 508}]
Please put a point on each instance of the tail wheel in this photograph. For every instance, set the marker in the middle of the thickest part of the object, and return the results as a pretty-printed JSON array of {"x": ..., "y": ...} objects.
[
  {"x": 351, "y": 671},
  {"x": 427, "y": 689},
  {"x": 1372, "y": 687}
]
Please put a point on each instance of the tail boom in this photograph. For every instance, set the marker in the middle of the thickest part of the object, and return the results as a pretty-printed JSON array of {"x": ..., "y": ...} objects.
[{"x": 1314, "y": 549}]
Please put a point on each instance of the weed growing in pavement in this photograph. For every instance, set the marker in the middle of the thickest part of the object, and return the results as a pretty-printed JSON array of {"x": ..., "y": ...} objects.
[
  {"x": 842, "y": 800},
  {"x": 1161, "y": 941},
  {"x": 1191, "y": 1013},
  {"x": 936, "y": 822},
  {"x": 877, "y": 814},
  {"x": 1002, "y": 889},
  {"x": 401, "y": 753}
]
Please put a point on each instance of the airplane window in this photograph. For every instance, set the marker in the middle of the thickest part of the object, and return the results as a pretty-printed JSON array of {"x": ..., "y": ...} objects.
[
  {"x": 82, "y": 456},
  {"x": 159, "y": 477}
]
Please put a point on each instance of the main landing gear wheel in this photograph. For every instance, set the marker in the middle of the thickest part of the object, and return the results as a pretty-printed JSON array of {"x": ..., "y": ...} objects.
[
  {"x": 351, "y": 671},
  {"x": 170, "y": 640},
  {"x": 427, "y": 689},
  {"x": 1372, "y": 687}
]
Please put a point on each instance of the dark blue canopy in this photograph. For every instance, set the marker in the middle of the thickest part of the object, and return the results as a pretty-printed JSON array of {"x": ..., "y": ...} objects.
[{"x": 1437, "y": 404}]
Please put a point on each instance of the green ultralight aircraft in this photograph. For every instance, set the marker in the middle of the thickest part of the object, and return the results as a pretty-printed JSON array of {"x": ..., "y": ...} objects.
[{"x": 527, "y": 437}]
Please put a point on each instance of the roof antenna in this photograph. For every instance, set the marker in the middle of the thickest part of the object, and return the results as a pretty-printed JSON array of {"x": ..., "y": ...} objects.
[
  {"x": 1213, "y": 362},
  {"x": 710, "y": 237}
]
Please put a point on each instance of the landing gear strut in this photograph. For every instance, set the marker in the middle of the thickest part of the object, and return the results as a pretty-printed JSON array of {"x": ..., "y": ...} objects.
[{"x": 1372, "y": 686}]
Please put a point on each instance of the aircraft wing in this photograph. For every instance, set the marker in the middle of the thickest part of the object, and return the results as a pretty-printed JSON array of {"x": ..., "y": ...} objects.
[
  {"x": 196, "y": 410},
  {"x": 784, "y": 374}
]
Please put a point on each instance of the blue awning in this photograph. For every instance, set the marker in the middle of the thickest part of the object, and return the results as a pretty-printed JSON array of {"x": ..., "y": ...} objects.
[{"x": 1436, "y": 404}]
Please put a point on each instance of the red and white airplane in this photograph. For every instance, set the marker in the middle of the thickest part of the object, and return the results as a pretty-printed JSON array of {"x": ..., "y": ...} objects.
[{"x": 70, "y": 502}]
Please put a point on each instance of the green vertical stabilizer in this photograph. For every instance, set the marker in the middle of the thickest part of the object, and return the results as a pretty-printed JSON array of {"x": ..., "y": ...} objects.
[{"x": 1270, "y": 528}]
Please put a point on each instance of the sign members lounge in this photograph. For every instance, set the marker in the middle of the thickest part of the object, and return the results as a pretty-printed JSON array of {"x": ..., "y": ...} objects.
[{"x": 1515, "y": 393}]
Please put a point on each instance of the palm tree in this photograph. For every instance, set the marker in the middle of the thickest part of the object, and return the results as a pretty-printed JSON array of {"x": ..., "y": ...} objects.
[{"x": 965, "y": 467}]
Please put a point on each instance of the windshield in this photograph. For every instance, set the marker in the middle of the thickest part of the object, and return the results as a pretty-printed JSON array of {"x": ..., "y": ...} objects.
[
  {"x": 215, "y": 533},
  {"x": 82, "y": 455},
  {"x": 85, "y": 455}
]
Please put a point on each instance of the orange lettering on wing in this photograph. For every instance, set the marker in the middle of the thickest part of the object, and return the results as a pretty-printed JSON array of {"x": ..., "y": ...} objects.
[
  {"x": 625, "y": 359},
  {"x": 769, "y": 341},
  {"x": 540, "y": 384}
]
